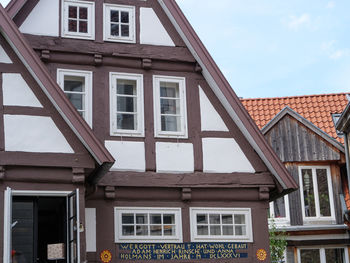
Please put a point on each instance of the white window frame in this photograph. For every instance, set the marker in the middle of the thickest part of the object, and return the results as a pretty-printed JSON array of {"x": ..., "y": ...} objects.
[
  {"x": 107, "y": 24},
  {"x": 113, "y": 77},
  {"x": 241, "y": 211},
  {"x": 280, "y": 221},
  {"x": 91, "y": 19},
  {"x": 315, "y": 187},
  {"x": 183, "y": 107},
  {"x": 87, "y": 75},
  {"x": 118, "y": 211},
  {"x": 322, "y": 251}
]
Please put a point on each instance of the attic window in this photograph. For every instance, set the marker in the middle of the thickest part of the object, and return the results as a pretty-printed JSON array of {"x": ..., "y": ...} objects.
[
  {"x": 119, "y": 24},
  {"x": 78, "y": 19},
  {"x": 335, "y": 117}
]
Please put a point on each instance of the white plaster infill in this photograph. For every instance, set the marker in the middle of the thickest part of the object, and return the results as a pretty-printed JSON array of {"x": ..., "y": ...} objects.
[
  {"x": 4, "y": 58},
  {"x": 174, "y": 157},
  {"x": 43, "y": 20},
  {"x": 16, "y": 91},
  {"x": 34, "y": 134},
  {"x": 223, "y": 155},
  {"x": 152, "y": 32},
  {"x": 210, "y": 118},
  {"x": 130, "y": 156}
]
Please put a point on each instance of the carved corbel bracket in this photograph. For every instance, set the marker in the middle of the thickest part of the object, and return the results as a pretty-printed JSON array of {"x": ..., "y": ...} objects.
[
  {"x": 2, "y": 173},
  {"x": 98, "y": 59},
  {"x": 264, "y": 193},
  {"x": 147, "y": 63},
  {"x": 45, "y": 55},
  {"x": 198, "y": 68},
  {"x": 78, "y": 176},
  {"x": 110, "y": 192},
  {"x": 186, "y": 194}
]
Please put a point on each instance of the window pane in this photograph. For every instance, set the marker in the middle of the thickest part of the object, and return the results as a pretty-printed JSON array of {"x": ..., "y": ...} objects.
[
  {"x": 114, "y": 29},
  {"x": 214, "y": 219},
  {"x": 240, "y": 231},
  {"x": 169, "y": 89},
  {"x": 141, "y": 218},
  {"x": 125, "y": 17},
  {"x": 215, "y": 230},
  {"x": 128, "y": 230},
  {"x": 279, "y": 208},
  {"x": 156, "y": 218},
  {"x": 83, "y": 13},
  {"x": 335, "y": 255},
  {"x": 202, "y": 230},
  {"x": 156, "y": 230},
  {"x": 127, "y": 218},
  {"x": 125, "y": 30},
  {"x": 169, "y": 230},
  {"x": 202, "y": 219},
  {"x": 310, "y": 256},
  {"x": 227, "y": 219},
  {"x": 322, "y": 183},
  {"x": 126, "y": 87},
  {"x": 141, "y": 230},
  {"x": 168, "y": 219},
  {"x": 74, "y": 83},
  {"x": 126, "y": 104},
  {"x": 114, "y": 16},
  {"x": 76, "y": 99},
  {"x": 83, "y": 27},
  {"x": 308, "y": 190},
  {"x": 72, "y": 12},
  {"x": 170, "y": 123},
  {"x": 126, "y": 122},
  {"x": 169, "y": 106},
  {"x": 240, "y": 219},
  {"x": 227, "y": 230},
  {"x": 72, "y": 25}
]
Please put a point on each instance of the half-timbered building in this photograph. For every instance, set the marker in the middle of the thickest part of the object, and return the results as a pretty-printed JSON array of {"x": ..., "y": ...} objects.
[
  {"x": 119, "y": 101},
  {"x": 301, "y": 130}
]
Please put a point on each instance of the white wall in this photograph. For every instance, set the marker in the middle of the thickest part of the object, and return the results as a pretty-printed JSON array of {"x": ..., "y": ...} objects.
[
  {"x": 34, "y": 134},
  {"x": 210, "y": 118},
  {"x": 223, "y": 155},
  {"x": 152, "y": 32},
  {"x": 16, "y": 91},
  {"x": 90, "y": 229},
  {"x": 174, "y": 157},
  {"x": 129, "y": 156},
  {"x": 43, "y": 20}
]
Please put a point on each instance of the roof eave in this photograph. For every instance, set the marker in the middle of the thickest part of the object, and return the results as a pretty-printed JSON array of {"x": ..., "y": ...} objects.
[{"x": 344, "y": 120}]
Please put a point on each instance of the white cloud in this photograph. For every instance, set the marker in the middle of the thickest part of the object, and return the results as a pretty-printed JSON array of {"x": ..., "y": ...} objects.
[
  {"x": 296, "y": 22},
  {"x": 330, "y": 5},
  {"x": 333, "y": 52},
  {"x": 338, "y": 54}
]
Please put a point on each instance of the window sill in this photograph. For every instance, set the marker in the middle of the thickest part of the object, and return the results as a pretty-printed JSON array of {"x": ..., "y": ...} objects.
[{"x": 120, "y": 40}]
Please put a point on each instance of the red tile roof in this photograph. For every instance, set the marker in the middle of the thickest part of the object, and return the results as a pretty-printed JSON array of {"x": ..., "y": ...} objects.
[{"x": 318, "y": 109}]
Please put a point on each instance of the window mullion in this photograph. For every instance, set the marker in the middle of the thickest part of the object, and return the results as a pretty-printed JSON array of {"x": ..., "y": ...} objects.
[
  {"x": 323, "y": 255},
  {"x": 316, "y": 193}
]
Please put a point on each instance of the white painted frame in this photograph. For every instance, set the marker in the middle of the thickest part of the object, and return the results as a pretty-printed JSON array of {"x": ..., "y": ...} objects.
[
  {"x": 183, "y": 107},
  {"x": 107, "y": 24},
  {"x": 88, "y": 77},
  {"x": 114, "y": 131},
  {"x": 90, "y": 35},
  {"x": 282, "y": 221},
  {"x": 318, "y": 217},
  {"x": 118, "y": 211},
  {"x": 240, "y": 211},
  {"x": 322, "y": 251}
]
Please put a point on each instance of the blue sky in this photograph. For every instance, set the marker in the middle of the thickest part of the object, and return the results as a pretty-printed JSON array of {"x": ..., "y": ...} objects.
[{"x": 269, "y": 48}]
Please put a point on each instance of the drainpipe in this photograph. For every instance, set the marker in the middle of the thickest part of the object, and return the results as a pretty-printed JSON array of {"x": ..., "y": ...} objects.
[{"x": 347, "y": 157}]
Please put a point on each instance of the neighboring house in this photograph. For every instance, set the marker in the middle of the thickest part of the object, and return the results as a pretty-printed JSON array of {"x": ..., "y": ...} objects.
[
  {"x": 302, "y": 132},
  {"x": 193, "y": 175}
]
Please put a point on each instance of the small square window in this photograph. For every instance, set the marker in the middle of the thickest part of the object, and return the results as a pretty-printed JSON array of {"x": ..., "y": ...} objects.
[
  {"x": 126, "y": 111},
  {"x": 77, "y": 85},
  {"x": 119, "y": 23},
  {"x": 221, "y": 224},
  {"x": 78, "y": 19},
  {"x": 170, "y": 106},
  {"x": 148, "y": 224}
]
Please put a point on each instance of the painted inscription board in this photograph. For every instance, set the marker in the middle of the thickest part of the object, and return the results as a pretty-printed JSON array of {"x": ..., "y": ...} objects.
[{"x": 184, "y": 251}]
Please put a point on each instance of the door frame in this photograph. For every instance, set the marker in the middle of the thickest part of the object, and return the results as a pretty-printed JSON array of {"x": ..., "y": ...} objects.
[{"x": 9, "y": 193}]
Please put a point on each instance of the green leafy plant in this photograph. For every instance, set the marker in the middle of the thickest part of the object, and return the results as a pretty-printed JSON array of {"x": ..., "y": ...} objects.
[{"x": 278, "y": 244}]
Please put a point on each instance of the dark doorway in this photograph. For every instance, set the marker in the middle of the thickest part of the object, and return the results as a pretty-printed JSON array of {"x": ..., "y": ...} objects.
[{"x": 36, "y": 223}]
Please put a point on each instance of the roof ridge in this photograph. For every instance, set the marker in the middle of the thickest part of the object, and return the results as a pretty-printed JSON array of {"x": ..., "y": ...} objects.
[{"x": 297, "y": 96}]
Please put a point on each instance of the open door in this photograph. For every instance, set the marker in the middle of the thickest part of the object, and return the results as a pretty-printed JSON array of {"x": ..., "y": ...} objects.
[
  {"x": 73, "y": 242},
  {"x": 7, "y": 225}
]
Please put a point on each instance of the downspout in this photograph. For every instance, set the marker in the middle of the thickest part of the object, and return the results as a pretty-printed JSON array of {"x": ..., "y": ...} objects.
[{"x": 347, "y": 157}]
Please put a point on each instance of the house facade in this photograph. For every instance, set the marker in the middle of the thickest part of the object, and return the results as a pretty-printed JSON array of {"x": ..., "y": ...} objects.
[
  {"x": 302, "y": 132},
  {"x": 123, "y": 141}
]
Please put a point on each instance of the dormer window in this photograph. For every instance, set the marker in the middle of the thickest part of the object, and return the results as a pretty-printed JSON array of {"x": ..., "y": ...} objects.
[
  {"x": 119, "y": 24},
  {"x": 78, "y": 19}
]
